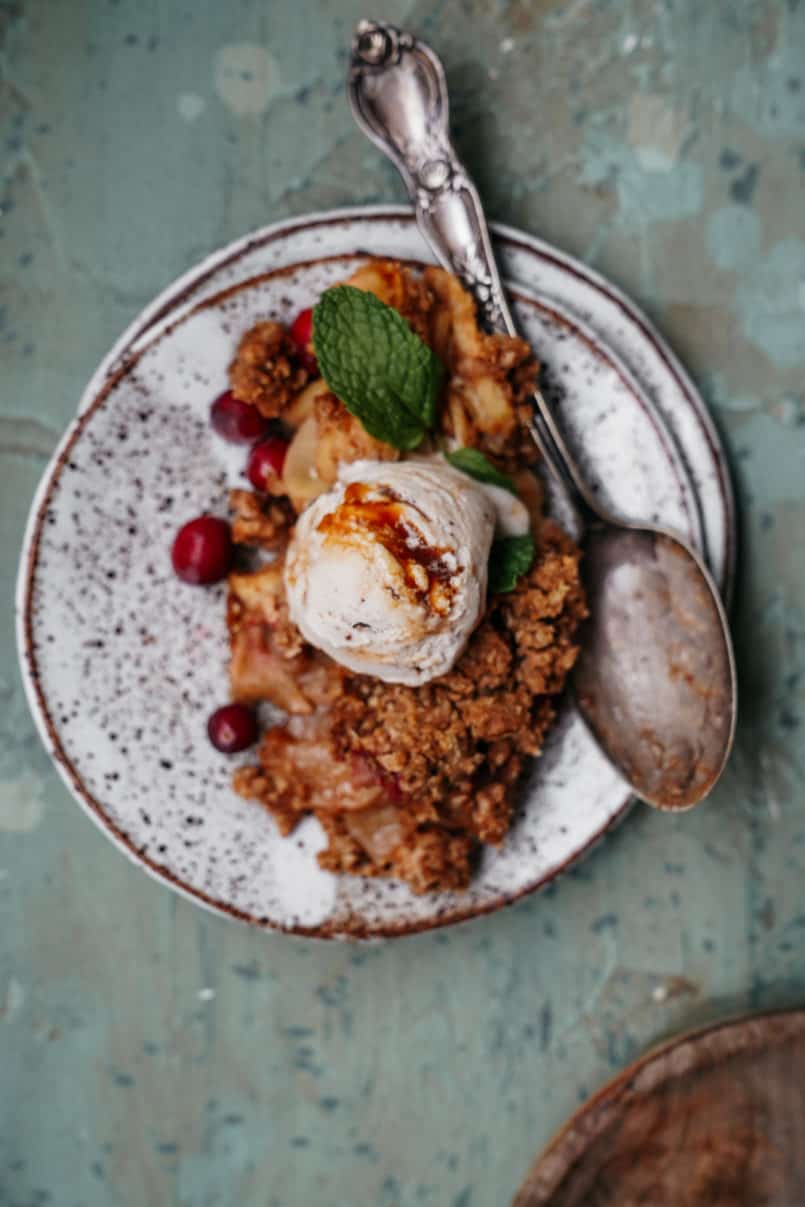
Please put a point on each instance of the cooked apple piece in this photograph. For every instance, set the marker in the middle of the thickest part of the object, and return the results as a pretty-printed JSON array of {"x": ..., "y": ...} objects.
[
  {"x": 398, "y": 287},
  {"x": 489, "y": 404},
  {"x": 257, "y": 671},
  {"x": 456, "y": 335},
  {"x": 302, "y": 406},
  {"x": 260, "y": 590},
  {"x": 343, "y": 438},
  {"x": 303, "y": 753},
  {"x": 300, "y": 480}
]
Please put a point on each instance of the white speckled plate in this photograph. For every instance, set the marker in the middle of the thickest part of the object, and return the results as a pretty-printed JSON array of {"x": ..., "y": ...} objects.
[{"x": 123, "y": 664}]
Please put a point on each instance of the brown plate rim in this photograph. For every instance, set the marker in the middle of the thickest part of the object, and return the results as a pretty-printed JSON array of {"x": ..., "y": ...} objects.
[{"x": 744, "y": 1032}]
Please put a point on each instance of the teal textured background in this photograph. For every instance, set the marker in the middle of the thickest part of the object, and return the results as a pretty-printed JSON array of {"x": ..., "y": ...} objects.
[{"x": 151, "y": 1054}]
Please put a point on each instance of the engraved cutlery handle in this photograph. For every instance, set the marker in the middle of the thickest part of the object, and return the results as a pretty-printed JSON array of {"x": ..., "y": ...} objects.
[{"x": 398, "y": 95}]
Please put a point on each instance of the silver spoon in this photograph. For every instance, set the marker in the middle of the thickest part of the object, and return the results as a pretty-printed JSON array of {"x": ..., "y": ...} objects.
[{"x": 655, "y": 679}]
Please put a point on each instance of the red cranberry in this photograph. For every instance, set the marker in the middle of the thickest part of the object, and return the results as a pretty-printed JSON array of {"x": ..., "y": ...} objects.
[
  {"x": 232, "y": 728},
  {"x": 266, "y": 460},
  {"x": 237, "y": 421},
  {"x": 302, "y": 328},
  {"x": 202, "y": 550},
  {"x": 302, "y": 336}
]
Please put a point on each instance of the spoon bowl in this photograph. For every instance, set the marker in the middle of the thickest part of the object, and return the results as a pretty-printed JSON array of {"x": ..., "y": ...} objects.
[
  {"x": 654, "y": 676},
  {"x": 655, "y": 679}
]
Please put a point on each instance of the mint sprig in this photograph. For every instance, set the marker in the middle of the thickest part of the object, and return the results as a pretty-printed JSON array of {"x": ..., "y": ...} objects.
[
  {"x": 510, "y": 558},
  {"x": 473, "y": 462},
  {"x": 381, "y": 370}
]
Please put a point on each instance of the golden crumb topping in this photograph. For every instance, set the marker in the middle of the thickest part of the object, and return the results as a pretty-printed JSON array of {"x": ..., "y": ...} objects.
[{"x": 407, "y": 782}]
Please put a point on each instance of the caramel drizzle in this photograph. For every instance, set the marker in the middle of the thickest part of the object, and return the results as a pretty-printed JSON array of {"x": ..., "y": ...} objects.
[{"x": 426, "y": 571}]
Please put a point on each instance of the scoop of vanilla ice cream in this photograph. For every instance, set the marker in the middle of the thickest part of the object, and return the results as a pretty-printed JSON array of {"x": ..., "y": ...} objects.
[{"x": 387, "y": 571}]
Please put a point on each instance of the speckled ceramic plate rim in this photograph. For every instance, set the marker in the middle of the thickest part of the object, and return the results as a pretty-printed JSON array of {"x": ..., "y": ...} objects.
[
  {"x": 166, "y": 311},
  {"x": 49, "y": 731},
  {"x": 562, "y": 1152}
]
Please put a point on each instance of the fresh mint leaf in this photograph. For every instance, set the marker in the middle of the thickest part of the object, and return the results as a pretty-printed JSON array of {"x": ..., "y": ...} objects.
[
  {"x": 473, "y": 462},
  {"x": 510, "y": 558},
  {"x": 381, "y": 370}
]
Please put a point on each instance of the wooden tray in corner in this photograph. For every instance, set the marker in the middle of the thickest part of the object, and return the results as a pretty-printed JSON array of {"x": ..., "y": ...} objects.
[{"x": 712, "y": 1119}]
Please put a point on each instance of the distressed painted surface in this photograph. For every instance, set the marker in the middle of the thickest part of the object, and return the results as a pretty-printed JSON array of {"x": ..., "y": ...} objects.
[{"x": 151, "y": 1054}]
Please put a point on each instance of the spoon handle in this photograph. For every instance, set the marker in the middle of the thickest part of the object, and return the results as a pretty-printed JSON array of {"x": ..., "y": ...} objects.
[{"x": 398, "y": 94}]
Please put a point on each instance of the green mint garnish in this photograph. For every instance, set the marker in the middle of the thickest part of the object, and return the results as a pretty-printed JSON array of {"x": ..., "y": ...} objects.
[
  {"x": 510, "y": 558},
  {"x": 473, "y": 462},
  {"x": 384, "y": 374}
]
